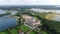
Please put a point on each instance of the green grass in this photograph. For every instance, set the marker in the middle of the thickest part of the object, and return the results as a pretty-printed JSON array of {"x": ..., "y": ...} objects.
[
  {"x": 43, "y": 14},
  {"x": 23, "y": 28},
  {"x": 32, "y": 32},
  {"x": 36, "y": 18},
  {"x": 13, "y": 31},
  {"x": 43, "y": 32},
  {"x": 50, "y": 16},
  {"x": 5, "y": 32}
]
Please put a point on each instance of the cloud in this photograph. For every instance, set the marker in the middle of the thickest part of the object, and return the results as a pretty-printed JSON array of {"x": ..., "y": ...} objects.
[{"x": 29, "y": 2}]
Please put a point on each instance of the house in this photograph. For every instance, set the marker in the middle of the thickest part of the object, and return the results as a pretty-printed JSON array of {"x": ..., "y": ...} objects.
[
  {"x": 31, "y": 22},
  {"x": 26, "y": 17}
]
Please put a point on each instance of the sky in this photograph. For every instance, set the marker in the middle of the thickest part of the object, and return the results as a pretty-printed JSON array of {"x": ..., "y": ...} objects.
[{"x": 29, "y": 2}]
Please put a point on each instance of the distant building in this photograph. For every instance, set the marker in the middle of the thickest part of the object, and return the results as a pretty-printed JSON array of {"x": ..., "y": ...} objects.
[
  {"x": 26, "y": 17},
  {"x": 31, "y": 22}
]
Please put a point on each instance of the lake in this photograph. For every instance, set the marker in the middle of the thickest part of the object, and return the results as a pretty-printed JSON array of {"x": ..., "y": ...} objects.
[
  {"x": 2, "y": 11},
  {"x": 6, "y": 23},
  {"x": 5, "y": 11}
]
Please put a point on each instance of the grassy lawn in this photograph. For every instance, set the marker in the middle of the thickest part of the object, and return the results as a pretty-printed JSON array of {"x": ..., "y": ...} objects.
[
  {"x": 13, "y": 31},
  {"x": 32, "y": 32},
  {"x": 43, "y": 32},
  {"x": 43, "y": 14},
  {"x": 36, "y": 18},
  {"x": 5, "y": 32},
  {"x": 23, "y": 28},
  {"x": 50, "y": 16}
]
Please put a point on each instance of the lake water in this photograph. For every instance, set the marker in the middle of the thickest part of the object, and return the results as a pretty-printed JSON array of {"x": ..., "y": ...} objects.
[
  {"x": 6, "y": 23},
  {"x": 2, "y": 12}
]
